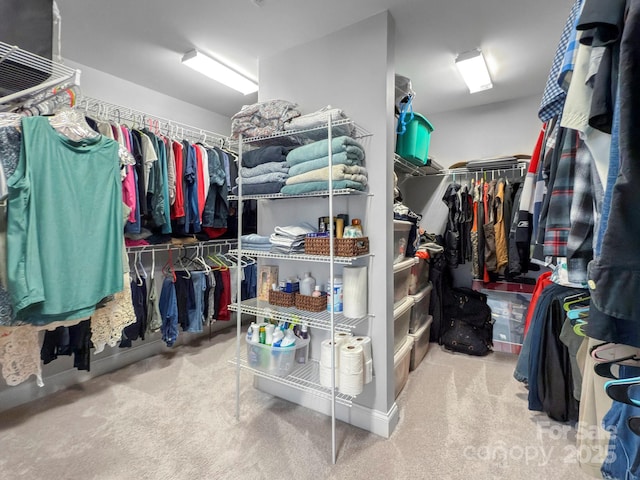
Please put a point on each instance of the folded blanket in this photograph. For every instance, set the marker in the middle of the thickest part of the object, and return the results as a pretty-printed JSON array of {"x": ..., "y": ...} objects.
[
  {"x": 343, "y": 158},
  {"x": 308, "y": 187},
  {"x": 263, "y": 168},
  {"x": 286, "y": 250},
  {"x": 286, "y": 242},
  {"x": 260, "y": 188},
  {"x": 295, "y": 231},
  {"x": 261, "y": 247},
  {"x": 263, "y": 118},
  {"x": 272, "y": 153},
  {"x": 265, "y": 178},
  {"x": 253, "y": 238},
  {"x": 319, "y": 149},
  {"x": 319, "y": 119},
  {"x": 339, "y": 172}
]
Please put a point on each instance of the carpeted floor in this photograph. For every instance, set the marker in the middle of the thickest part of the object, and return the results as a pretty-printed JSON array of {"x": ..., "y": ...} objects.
[{"x": 172, "y": 417}]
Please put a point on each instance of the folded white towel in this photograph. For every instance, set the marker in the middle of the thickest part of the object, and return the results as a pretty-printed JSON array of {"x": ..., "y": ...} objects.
[{"x": 354, "y": 173}]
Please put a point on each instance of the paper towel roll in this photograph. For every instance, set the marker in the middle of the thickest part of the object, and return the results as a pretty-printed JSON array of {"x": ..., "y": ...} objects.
[
  {"x": 325, "y": 377},
  {"x": 351, "y": 359},
  {"x": 354, "y": 292},
  {"x": 365, "y": 342},
  {"x": 326, "y": 348},
  {"x": 351, "y": 383},
  {"x": 342, "y": 337}
]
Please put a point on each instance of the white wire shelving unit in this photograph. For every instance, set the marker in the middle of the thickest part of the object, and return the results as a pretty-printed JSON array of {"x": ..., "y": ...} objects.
[
  {"x": 305, "y": 378},
  {"x": 405, "y": 167},
  {"x": 25, "y": 75}
]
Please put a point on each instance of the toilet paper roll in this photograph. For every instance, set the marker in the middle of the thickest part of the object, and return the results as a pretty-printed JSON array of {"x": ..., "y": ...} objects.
[
  {"x": 351, "y": 359},
  {"x": 365, "y": 342},
  {"x": 351, "y": 383},
  {"x": 354, "y": 292},
  {"x": 368, "y": 371},
  {"x": 325, "y": 377},
  {"x": 326, "y": 349},
  {"x": 341, "y": 337}
]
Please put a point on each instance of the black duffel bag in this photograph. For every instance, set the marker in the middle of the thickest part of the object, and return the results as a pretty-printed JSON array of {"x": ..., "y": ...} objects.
[{"x": 467, "y": 324}]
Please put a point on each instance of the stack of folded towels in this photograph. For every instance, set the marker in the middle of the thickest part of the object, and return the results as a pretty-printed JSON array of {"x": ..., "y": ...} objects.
[
  {"x": 290, "y": 239},
  {"x": 264, "y": 170},
  {"x": 256, "y": 242},
  {"x": 309, "y": 166}
]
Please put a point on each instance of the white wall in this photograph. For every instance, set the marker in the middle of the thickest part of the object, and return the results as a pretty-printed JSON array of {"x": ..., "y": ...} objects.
[
  {"x": 503, "y": 128},
  {"x": 353, "y": 69},
  {"x": 104, "y": 86}
]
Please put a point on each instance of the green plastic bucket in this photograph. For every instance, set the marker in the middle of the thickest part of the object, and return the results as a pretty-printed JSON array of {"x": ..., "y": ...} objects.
[{"x": 413, "y": 145}]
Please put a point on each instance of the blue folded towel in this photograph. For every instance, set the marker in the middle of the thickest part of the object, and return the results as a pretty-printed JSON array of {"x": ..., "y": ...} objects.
[
  {"x": 309, "y": 187},
  {"x": 342, "y": 158},
  {"x": 255, "y": 238},
  {"x": 259, "y": 188},
  {"x": 270, "y": 167},
  {"x": 319, "y": 149},
  {"x": 272, "y": 153},
  {"x": 266, "y": 178}
]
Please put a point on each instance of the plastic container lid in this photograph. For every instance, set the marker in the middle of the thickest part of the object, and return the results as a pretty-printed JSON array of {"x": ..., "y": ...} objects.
[
  {"x": 402, "y": 308},
  {"x": 405, "y": 264}
]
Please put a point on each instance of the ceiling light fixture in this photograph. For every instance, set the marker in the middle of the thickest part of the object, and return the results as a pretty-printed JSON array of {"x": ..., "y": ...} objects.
[
  {"x": 474, "y": 71},
  {"x": 219, "y": 72}
]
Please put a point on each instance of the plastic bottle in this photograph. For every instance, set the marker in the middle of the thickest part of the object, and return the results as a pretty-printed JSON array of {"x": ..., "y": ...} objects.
[
  {"x": 301, "y": 353},
  {"x": 358, "y": 224},
  {"x": 262, "y": 334},
  {"x": 317, "y": 292},
  {"x": 268, "y": 339},
  {"x": 334, "y": 291},
  {"x": 307, "y": 284}
]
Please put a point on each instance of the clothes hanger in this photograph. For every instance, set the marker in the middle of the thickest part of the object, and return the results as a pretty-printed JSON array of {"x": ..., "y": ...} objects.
[
  {"x": 137, "y": 262},
  {"x": 168, "y": 269},
  {"x": 71, "y": 123},
  {"x": 576, "y": 299},
  {"x": 604, "y": 368},
  {"x": 183, "y": 267},
  {"x": 619, "y": 390}
]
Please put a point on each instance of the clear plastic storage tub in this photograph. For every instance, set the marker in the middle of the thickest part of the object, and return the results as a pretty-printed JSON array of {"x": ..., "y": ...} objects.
[{"x": 278, "y": 361}]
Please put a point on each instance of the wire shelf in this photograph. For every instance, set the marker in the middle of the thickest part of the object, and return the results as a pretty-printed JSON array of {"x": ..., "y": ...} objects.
[
  {"x": 406, "y": 167},
  {"x": 170, "y": 246},
  {"x": 303, "y": 136},
  {"x": 120, "y": 114},
  {"x": 298, "y": 256},
  {"x": 306, "y": 378},
  {"x": 23, "y": 74},
  {"x": 321, "y": 320},
  {"x": 322, "y": 193}
]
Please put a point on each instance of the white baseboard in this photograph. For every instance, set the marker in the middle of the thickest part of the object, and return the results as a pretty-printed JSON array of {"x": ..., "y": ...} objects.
[{"x": 374, "y": 421}]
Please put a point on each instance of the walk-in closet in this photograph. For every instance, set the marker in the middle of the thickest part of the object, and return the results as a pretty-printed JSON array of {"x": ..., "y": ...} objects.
[{"x": 268, "y": 239}]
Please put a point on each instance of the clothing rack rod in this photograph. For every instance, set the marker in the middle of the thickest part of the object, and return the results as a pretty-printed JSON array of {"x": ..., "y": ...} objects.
[
  {"x": 119, "y": 113},
  {"x": 170, "y": 246}
]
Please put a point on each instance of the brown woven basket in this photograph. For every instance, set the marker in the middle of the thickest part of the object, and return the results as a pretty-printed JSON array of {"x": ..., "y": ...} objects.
[
  {"x": 282, "y": 299},
  {"x": 343, "y": 247},
  {"x": 311, "y": 304}
]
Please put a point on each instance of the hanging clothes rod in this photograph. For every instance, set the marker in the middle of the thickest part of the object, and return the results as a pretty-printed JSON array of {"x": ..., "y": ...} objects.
[
  {"x": 162, "y": 247},
  {"x": 521, "y": 167},
  {"x": 160, "y": 125}
]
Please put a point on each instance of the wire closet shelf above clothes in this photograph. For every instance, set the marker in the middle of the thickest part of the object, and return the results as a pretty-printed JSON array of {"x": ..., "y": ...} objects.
[
  {"x": 23, "y": 74},
  {"x": 94, "y": 107}
]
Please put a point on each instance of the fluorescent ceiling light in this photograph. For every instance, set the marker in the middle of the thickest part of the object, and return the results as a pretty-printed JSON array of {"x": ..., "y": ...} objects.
[
  {"x": 219, "y": 72},
  {"x": 473, "y": 69}
]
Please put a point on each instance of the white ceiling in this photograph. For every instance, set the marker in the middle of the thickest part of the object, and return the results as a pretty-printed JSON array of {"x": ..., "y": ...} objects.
[{"x": 143, "y": 42}]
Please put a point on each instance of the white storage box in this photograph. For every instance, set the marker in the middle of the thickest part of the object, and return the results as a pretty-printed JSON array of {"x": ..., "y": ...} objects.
[
  {"x": 419, "y": 276},
  {"x": 401, "y": 363},
  {"x": 420, "y": 344},
  {"x": 401, "y": 317},
  {"x": 401, "y": 279},
  {"x": 401, "y": 231},
  {"x": 420, "y": 309},
  {"x": 278, "y": 361}
]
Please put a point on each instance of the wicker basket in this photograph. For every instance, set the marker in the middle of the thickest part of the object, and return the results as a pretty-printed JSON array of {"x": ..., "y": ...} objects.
[
  {"x": 343, "y": 247},
  {"x": 281, "y": 299},
  {"x": 311, "y": 304}
]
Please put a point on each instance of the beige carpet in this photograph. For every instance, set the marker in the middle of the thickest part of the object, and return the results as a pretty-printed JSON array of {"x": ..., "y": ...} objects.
[{"x": 172, "y": 417}]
